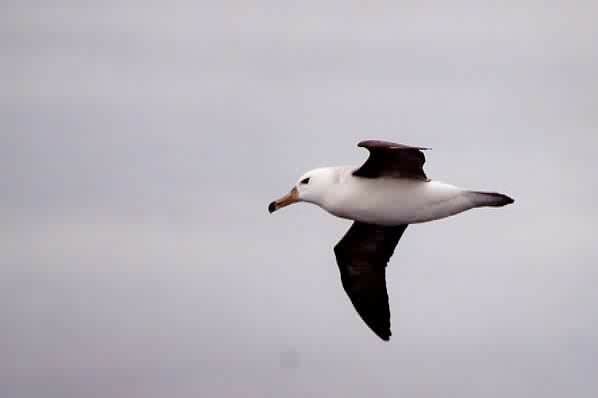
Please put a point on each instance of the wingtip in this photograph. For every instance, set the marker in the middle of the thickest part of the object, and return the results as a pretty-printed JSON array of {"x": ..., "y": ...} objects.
[{"x": 383, "y": 334}]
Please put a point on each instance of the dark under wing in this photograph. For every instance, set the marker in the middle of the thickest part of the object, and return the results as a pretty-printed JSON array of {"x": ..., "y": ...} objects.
[
  {"x": 362, "y": 255},
  {"x": 388, "y": 159}
]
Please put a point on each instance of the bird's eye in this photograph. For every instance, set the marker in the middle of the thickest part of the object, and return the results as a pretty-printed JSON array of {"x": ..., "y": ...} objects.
[{"x": 305, "y": 180}]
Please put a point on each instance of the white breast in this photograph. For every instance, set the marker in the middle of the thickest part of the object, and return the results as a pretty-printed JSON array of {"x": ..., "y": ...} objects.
[{"x": 392, "y": 201}]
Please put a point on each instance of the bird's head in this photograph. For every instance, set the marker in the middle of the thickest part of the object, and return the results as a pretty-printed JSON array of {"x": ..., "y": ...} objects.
[{"x": 311, "y": 187}]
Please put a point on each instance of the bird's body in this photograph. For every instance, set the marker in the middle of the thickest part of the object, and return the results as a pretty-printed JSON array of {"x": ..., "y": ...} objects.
[
  {"x": 393, "y": 201},
  {"x": 382, "y": 196}
]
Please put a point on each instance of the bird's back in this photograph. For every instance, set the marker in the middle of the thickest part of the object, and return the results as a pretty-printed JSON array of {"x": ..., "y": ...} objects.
[{"x": 394, "y": 201}]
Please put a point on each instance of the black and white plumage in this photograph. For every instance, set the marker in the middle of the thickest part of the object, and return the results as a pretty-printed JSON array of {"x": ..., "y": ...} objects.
[{"x": 383, "y": 196}]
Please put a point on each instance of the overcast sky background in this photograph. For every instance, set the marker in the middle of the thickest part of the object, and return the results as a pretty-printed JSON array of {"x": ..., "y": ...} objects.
[{"x": 140, "y": 143}]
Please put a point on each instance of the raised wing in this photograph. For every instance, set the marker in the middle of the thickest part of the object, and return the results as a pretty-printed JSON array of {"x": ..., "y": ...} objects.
[
  {"x": 388, "y": 159},
  {"x": 362, "y": 255}
]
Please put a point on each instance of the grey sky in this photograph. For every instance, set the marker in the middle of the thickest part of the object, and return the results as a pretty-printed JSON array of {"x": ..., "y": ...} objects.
[{"x": 141, "y": 143}]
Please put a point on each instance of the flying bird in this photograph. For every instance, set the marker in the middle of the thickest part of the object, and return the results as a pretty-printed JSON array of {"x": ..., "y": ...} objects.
[{"x": 382, "y": 196}]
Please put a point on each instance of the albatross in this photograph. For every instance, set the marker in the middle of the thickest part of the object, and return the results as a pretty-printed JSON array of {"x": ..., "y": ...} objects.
[{"x": 382, "y": 197}]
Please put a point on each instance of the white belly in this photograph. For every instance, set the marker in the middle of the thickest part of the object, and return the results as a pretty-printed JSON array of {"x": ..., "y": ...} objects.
[{"x": 387, "y": 201}]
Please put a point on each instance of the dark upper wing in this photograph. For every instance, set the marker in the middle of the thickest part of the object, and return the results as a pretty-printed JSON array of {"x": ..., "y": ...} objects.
[
  {"x": 362, "y": 255},
  {"x": 392, "y": 160}
]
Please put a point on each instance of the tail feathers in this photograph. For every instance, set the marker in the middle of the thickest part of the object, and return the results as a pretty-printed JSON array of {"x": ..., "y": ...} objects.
[{"x": 492, "y": 199}]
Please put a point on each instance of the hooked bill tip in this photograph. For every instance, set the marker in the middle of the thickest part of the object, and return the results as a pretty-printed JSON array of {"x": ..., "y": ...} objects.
[{"x": 272, "y": 207}]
